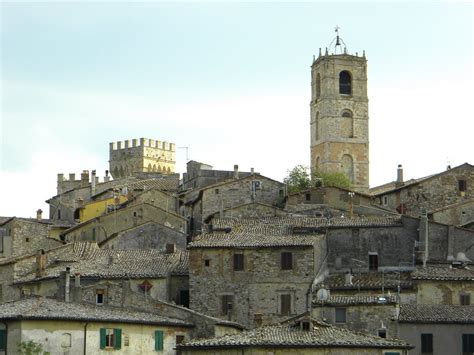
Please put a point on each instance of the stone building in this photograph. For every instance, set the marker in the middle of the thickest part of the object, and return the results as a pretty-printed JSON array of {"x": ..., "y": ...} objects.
[
  {"x": 339, "y": 116},
  {"x": 141, "y": 155},
  {"x": 428, "y": 194},
  {"x": 437, "y": 329},
  {"x": 25, "y": 235},
  {"x": 111, "y": 277},
  {"x": 200, "y": 205},
  {"x": 299, "y": 335},
  {"x": 199, "y": 175},
  {"x": 458, "y": 214},
  {"x": 253, "y": 272}
]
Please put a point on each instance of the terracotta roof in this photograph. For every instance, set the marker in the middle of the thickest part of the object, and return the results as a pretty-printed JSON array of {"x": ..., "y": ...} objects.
[
  {"x": 439, "y": 313},
  {"x": 54, "y": 222},
  {"x": 300, "y": 223},
  {"x": 40, "y": 308},
  {"x": 119, "y": 264},
  {"x": 370, "y": 280},
  {"x": 355, "y": 300},
  {"x": 320, "y": 335},
  {"x": 251, "y": 240},
  {"x": 443, "y": 272},
  {"x": 167, "y": 184}
]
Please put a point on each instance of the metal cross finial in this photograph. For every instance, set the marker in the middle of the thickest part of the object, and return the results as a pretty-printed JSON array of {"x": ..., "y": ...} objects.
[{"x": 336, "y": 29}]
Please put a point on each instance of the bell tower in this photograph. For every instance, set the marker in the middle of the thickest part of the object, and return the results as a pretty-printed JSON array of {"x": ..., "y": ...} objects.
[{"x": 339, "y": 114}]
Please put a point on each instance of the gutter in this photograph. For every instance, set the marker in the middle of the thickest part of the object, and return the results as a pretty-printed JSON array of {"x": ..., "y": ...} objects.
[
  {"x": 85, "y": 338},
  {"x": 6, "y": 337}
]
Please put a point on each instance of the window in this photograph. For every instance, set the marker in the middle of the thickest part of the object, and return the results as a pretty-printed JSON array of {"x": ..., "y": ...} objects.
[
  {"x": 308, "y": 197},
  {"x": 227, "y": 304},
  {"x": 467, "y": 344},
  {"x": 340, "y": 315},
  {"x": 286, "y": 261},
  {"x": 306, "y": 325},
  {"x": 238, "y": 262},
  {"x": 426, "y": 343},
  {"x": 159, "y": 340},
  {"x": 465, "y": 299},
  {"x": 3, "y": 339},
  {"x": 318, "y": 86},
  {"x": 184, "y": 298},
  {"x": 462, "y": 185},
  {"x": 345, "y": 83},
  {"x": 99, "y": 297},
  {"x": 59, "y": 214},
  {"x": 179, "y": 340},
  {"x": 216, "y": 191},
  {"x": 207, "y": 262},
  {"x": 285, "y": 304},
  {"x": 385, "y": 200},
  {"x": 382, "y": 333},
  {"x": 110, "y": 338},
  {"x": 373, "y": 262}
]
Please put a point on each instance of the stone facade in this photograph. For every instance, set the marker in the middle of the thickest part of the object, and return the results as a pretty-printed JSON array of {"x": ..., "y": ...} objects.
[
  {"x": 143, "y": 155},
  {"x": 23, "y": 236},
  {"x": 256, "y": 292},
  {"x": 339, "y": 117},
  {"x": 103, "y": 227},
  {"x": 453, "y": 186},
  {"x": 459, "y": 214}
]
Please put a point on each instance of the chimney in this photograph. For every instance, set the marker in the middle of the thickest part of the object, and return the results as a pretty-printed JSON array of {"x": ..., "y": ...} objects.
[
  {"x": 236, "y": 171},
  {"x": 348, "y": 279},
  {"x": 170, "y": 248},
  {"x": 423, "y": 236},
  {"x": 40, "y": 263},
  {"x": 39, "y": 215},
  {"x": 67, "y": 284},
  {"x": 85, "y": 176},
  {"x": 399, "y": 175},
  {"x": 106, "y": 177},
  {"x": 77, "y": 279},
  {"x": 93, "y": 182},
  {"x": 252, "y": 171},
  {"x": 77, "y": 291}
]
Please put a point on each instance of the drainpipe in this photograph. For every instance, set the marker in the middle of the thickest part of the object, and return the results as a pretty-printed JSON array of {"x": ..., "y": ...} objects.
[
  {"x": 85, "y": 338},
  {"x": 424, "y": 235}
]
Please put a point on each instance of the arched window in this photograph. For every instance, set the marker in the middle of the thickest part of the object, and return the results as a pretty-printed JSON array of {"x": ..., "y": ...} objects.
[
  {"x": 149, "y": 168},
  {"x": 347, "y": 124},
  {"x": 347, "y": 165},
  {"x": 345, "y": 83},
  {"x": 116, "y": 172},
  {"x": 318, "y": 86},
  {"x": 154, "y": 167}
]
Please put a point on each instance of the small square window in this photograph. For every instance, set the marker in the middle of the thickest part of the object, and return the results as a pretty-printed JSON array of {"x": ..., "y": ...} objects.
[
  {"x": 462, "y": 185},
  {"x": 207, "y": 262},
  {"x": 340, "y": 315},
  {"x": 308, "y": 197},
  {"x": 373, "y": 262},
  {"x": 382, "y": 333},
  {"x": 287, "y": 261},
  {"x": 216, "y": 191},
  {"x": 465, "y": 299},
  {"x": 99, "y": 297},
  {"x": 385, "y": 200}
]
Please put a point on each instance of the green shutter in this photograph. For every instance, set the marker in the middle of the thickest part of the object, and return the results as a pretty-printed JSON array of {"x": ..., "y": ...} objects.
[
  {"x": 102, "y": 338},
  {"x": 118, "y": 338},
  {"x": 159, "y": 340},
  {"x": 3, "y": 339}
]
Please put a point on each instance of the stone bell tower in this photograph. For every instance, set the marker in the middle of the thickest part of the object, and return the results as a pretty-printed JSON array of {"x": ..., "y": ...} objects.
[{"x": 339, "y": 114}]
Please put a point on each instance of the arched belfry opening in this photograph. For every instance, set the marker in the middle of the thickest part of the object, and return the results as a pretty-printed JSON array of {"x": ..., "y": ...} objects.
[
  {"x": 345, "y": 83},
  {"x": 318, "y": 86}
]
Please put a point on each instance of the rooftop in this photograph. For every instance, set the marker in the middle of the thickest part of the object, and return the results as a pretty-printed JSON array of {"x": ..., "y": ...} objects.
[
  {"x": 440, "y": 313},
  {"x": 118, "y": 264},
  {"x": 320, "y": 335},
  {"x": 370, "y": 280},
  {"x": 443, "y": 272},
  {"x": 40, "y": 308},
  {"x": 356, "y": 300}
]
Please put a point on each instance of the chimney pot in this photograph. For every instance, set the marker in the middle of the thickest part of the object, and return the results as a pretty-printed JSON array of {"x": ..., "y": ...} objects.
[
  {"x": 400, "y": 175},
  {"x": 236, "y": 171},
  {"x": 39, "y": 214}
]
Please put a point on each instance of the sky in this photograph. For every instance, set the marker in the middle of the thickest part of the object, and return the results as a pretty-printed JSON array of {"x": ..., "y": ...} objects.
[{"x": 228, "y": 80}]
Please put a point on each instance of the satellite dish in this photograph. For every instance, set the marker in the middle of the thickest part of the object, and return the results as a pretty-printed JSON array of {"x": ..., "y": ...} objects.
[{"x": 322, "y": 294}]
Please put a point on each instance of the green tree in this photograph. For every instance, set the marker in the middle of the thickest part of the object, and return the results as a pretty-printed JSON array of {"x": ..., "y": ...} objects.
[
  {"x": 29, "y": 348},
  {"x": 298, "y": 179}
]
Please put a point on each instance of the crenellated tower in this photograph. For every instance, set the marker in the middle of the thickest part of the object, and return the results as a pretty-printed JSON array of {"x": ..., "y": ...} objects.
[
  {"x": 339, "y": 115},
  {"x": 141, "y": 156}
]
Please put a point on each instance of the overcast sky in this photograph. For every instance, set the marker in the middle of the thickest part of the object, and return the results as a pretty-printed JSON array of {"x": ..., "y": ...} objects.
[{"x": 230, "y": 81}]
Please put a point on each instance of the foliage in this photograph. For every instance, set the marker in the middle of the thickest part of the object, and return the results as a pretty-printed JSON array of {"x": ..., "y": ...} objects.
[
  {"x": 29, "y": 348},
  {"x": 298, "y": 179}
]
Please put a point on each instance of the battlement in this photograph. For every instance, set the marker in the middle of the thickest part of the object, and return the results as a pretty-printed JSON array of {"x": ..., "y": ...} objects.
[{"x": 142, "y": 142}]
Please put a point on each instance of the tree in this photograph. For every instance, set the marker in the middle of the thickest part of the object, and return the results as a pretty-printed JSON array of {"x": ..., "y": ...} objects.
[{"x": 298, "y": 179}]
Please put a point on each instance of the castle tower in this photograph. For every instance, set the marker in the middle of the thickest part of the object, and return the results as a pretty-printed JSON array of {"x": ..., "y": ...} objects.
[
  {"x": 339, "y": 115},
  {"x": 141, "y": 156}
]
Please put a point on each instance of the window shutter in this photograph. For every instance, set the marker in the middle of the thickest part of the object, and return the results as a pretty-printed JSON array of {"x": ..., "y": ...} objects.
[
  {"x": 3, "y": 339},
  {"x": 158, "y": 340},
  {"x": 118, "y": 338},
  {"x": 102, "y": 338}
]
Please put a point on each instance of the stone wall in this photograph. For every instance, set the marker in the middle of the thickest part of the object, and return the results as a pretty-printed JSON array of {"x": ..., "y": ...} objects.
[
  {"x": 443, "y": 292},
  {"x": 457, "y": 214},
  {"x": 149, "y": 235},
  {"x": 256, "y": 289}
]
